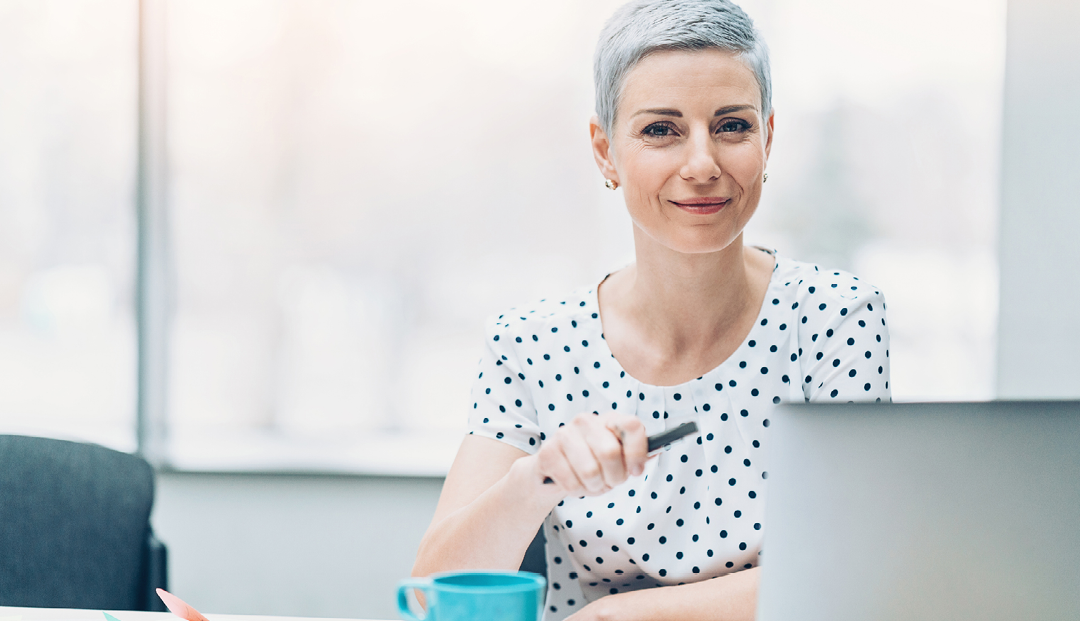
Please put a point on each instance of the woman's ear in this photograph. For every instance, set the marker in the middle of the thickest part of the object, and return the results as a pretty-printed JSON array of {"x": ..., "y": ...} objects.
[
  {"x": 602, "y": 152},
  {"x": 769, "y": 134}
]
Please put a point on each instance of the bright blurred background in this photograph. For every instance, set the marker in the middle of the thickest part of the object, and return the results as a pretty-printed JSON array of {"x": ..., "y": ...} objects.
[{"x": 352, "y": 187}]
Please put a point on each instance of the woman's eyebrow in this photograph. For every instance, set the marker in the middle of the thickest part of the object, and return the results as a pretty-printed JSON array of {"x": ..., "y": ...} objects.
[
  {"x": 660, "y": 111},
  {"x": 676, "y": 113},
  {"x": 730, "y": 109}
]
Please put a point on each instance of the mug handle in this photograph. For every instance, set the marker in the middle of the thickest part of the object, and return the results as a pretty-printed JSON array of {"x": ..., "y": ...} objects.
[{"x": 424, "y": 584}]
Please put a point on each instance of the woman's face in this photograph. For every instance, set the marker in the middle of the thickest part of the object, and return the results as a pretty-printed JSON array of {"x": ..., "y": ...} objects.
[{"x": 689, "y": 148}]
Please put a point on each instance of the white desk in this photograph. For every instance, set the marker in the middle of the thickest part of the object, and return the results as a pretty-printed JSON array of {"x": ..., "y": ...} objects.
[{"x": 8, "y": 613}]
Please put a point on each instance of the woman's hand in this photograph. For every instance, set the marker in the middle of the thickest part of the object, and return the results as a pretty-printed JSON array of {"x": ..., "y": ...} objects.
[
  {"x": 593, "y": 453},
  {"x": 603, "y": 609},
  {"x": 494, "y": 499}
]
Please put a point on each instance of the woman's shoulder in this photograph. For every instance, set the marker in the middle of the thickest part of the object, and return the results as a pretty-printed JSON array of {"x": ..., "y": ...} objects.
[
  {"x": 842, "y": 332},
  {"x": 530, "y": 321},
  {"x": 810, "y": 285}
]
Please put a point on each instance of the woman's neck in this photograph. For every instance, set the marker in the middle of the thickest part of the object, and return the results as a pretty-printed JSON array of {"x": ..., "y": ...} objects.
[{"x": 672, "y": 317}]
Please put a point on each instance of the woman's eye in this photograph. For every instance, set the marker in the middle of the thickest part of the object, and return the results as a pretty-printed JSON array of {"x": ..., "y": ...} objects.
[
  {"x": 657, "y": 129},
  {"x": 728, "y": 127}
]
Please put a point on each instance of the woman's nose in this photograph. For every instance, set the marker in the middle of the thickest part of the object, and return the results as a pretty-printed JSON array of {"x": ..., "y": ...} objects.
[{"x": 702, "y": 160}]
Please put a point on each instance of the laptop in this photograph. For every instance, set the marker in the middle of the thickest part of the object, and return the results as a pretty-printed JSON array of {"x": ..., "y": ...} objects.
[{"x": 922, "y": 512}]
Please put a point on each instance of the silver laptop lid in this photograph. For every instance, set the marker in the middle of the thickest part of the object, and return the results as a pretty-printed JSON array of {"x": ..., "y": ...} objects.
[{"x": 923, "y": 511}]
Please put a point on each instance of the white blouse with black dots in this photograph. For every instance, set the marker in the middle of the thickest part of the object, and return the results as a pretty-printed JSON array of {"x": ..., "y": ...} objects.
[{"x": 696, "y": 511}]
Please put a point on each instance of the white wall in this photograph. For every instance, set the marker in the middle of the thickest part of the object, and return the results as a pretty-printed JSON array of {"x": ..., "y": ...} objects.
[
  {"x": 322, "y": 546},
  {"x": 1039, "y": 246}
]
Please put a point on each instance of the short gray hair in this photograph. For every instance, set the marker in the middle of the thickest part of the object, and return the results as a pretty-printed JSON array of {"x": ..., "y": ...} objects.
[{"x": 642, "y": 27}]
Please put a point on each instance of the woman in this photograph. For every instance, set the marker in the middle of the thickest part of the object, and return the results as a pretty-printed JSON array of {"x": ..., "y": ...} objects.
[{"x": 699, "y": 327}]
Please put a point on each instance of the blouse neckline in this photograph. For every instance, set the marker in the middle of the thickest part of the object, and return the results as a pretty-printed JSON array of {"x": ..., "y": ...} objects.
[{"x": 593, "y": 306}]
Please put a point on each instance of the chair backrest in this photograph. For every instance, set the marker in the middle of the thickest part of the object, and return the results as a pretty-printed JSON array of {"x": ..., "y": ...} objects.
[
  {"x": 75, "y": 526},
  {"x": 535, "y": 557}
]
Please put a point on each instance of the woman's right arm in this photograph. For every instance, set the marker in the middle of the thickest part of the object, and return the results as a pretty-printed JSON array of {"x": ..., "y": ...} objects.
[
  {"x": 494, "y": 499},
  {"x": 488, "y": 513}
]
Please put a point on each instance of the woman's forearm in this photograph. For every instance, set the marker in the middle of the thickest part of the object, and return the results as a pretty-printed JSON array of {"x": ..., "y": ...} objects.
[
  {"x": 728, "y": 598},
  {"x": 493, "y": 531}
]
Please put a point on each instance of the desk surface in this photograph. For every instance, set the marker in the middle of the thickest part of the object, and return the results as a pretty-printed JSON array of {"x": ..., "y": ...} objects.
[{"x": 8, "y": 613}]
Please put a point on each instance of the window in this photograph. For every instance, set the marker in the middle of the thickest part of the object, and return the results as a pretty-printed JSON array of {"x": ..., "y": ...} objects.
[
  {"x": 886, "y": 163},
  {"x": 354, "y": 186},
  {"x": 67, "y": 227}
]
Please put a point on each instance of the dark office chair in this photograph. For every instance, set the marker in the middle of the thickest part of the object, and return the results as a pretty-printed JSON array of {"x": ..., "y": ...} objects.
[
  {"x": 75, "y": 527},
  {"x": 535, "y": 560}
]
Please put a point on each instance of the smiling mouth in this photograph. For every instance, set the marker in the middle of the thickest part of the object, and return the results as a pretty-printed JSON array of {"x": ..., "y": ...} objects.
[{"x": 702, "y": 206}]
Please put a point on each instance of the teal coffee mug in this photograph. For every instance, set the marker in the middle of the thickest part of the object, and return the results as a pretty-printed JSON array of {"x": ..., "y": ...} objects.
[{"x": 473, "y": 595}]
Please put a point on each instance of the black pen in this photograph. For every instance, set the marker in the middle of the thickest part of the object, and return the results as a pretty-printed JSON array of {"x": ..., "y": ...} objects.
[{"x": 664, "y": 438}]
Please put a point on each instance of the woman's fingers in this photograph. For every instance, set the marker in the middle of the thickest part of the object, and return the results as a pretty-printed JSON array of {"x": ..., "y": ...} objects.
[
  {"x": 553, "y": 464},
  {"x": 635, "y": 442},
  {"x": 593, "y": 454},
  {"x": 607, "y": 449},
  {"x": 574, "y": 442}
]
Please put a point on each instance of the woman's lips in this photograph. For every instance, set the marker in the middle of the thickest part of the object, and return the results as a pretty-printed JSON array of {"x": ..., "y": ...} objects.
[{"x": 701, "y": 206}]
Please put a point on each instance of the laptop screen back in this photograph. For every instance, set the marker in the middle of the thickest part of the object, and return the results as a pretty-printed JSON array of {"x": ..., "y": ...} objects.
[{"x": 923, "y": 511}]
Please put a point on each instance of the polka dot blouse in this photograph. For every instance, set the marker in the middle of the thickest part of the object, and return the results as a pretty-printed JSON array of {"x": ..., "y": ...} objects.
[{"x": 697, "y": 510}]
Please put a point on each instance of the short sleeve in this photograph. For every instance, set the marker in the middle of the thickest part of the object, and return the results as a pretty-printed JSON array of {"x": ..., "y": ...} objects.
[
  {"x": 844, "y": 341},
  {"x": 502, "y": 406}
]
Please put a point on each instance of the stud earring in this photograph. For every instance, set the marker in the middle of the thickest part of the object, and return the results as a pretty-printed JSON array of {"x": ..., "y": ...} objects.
[
  {"x": 611, "y": 185},
  {"x": 765, "y": 178}
]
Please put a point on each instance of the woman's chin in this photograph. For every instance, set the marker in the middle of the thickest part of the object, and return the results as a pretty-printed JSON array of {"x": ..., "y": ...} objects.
[
  {"x": 695, "y": 244},
  {"x": 689, "y": 238}
]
